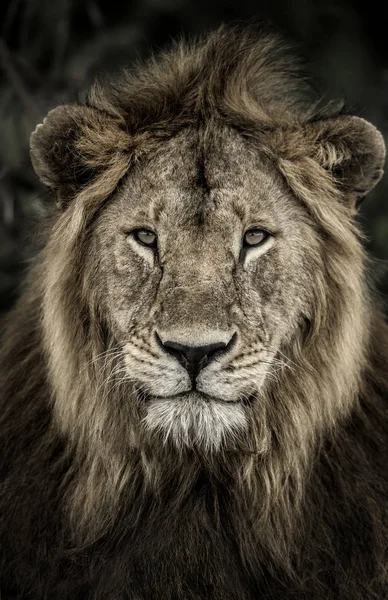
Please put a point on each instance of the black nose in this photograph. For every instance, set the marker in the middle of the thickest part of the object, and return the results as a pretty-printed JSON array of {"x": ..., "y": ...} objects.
[{"x": 195, "y": 358}]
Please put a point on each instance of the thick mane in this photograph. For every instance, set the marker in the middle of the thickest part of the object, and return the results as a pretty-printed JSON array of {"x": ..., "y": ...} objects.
[
  {"x": 246, "y": 76},
  {"x": 75, "y": 462}
]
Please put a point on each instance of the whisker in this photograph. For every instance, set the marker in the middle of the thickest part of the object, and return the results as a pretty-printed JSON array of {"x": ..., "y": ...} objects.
[{"x": 111, "y": 352}]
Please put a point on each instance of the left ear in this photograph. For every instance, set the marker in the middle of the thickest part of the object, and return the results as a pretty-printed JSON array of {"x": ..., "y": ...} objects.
[
  {"x": 73, "y": 144},
  {"x": 353, "y": 150}
]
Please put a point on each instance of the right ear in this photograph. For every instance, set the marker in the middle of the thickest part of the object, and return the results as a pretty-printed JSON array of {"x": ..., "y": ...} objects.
[{"x": 73, "y": 145}]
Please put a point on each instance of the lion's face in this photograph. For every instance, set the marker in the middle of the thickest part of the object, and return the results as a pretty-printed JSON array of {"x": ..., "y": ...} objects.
[{"x": 198, "y": 282}]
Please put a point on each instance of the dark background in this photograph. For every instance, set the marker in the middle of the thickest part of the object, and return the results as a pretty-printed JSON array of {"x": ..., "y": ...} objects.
[{"x": 51, "y": 50}]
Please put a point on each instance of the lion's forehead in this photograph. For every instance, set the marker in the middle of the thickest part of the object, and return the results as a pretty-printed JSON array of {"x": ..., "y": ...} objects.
[
  {"x": 219, "y": 182},
  {"x": 222, "y": 152}
]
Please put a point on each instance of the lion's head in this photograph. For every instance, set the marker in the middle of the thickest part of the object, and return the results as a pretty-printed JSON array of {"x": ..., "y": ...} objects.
[{"x": 203, "y": 282}]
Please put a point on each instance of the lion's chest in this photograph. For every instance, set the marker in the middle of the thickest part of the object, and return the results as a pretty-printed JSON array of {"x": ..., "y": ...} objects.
[{"x": 186, "y": 556}]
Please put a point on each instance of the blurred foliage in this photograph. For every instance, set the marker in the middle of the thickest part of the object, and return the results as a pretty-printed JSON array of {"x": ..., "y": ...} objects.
[{"x": 50, "y": 52}]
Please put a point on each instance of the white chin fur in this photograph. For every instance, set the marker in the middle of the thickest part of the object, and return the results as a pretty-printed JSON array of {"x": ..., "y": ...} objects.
[{"x": 194, "y": 422}]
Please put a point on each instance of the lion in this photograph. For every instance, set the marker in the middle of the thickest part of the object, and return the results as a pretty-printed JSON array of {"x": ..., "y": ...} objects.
[{"x": 194, "y": 379}]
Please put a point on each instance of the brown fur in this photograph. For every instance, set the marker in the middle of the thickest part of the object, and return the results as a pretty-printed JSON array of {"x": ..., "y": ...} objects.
[{"x": 97, "y": 504}]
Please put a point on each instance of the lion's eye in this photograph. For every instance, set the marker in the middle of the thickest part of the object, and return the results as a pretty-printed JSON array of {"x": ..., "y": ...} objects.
[
  {"x": 255, "y": 237},
  {"x": 145, "y": 237}
]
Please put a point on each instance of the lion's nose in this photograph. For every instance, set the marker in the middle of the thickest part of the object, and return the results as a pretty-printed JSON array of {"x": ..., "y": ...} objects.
[{"x": 195, "y": 358}]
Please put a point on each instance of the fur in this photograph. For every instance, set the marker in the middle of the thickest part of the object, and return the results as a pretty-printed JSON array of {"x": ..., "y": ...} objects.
[{"x": 288, "y": 499}]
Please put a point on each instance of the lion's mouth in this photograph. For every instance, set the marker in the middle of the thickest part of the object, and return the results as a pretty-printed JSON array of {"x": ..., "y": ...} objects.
[{"x": 196, "y": 396}]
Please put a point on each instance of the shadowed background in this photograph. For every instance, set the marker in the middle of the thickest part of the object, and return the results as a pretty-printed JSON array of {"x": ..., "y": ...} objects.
[{"x": 51, "y": 50}]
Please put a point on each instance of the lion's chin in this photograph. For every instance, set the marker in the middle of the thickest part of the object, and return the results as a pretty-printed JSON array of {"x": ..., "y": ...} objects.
[{"x": 195, "y": 420}]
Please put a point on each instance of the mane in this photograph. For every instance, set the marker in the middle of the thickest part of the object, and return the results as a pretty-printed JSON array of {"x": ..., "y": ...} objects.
[
  {"x": 78, "y": 417},
  {"x": 247, "y": 76}
]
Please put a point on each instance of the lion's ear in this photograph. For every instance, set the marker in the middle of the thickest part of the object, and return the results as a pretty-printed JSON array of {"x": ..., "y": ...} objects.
[
  {"x": 73, "y": 145},
  {"x": 353, "y": 150}
]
